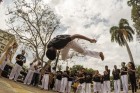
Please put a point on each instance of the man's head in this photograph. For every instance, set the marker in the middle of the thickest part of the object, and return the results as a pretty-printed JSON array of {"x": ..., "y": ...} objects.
[
  {"x": 106, "y": 67},
  {"x": 123, "y": 64},
  {"x": 15, "y": 45},
  {"x": 96, "y": 72},
  {"x": 23, "y": 52},
  {"x": 115, "y": 66},
  {"x": 51, "y": 53}
]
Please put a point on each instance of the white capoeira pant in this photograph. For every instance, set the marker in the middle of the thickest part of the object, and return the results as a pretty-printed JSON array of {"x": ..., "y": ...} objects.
[
  {"x": 81, "y": 88},
  {"x": 124, "y": 79},
  {"x": 117, "y": 86},
  {"x": 45, "y": 81},
  {"x": 29, "y": 77},
  {"x": 57, "y": 85},
  {"x": 107, "y": 88},
  {"x": 15, "y": 72},
  {"x": 88, "y": 87},
  {"x": 68, "y": 89},
  {"x": 64, "y": 83},
  {"x": 102, "y": 88},
  {"x": 76, "y": 47},
  {"x": 97, "y": 87}
]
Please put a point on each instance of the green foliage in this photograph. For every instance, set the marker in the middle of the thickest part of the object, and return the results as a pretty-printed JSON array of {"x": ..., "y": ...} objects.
[
  {"x": 90, "y": 70},
  {"x": 121, "y": 32},
  {"x": 135, "y": 13},
  {"x": 76, "y": 68},
  {"x": 138, "y": 71}
]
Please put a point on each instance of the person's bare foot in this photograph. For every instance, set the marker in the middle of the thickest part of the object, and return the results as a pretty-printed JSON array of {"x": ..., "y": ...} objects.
[
  {"x": 93, "y": 41},
  {"x": 102, "y": 55}
]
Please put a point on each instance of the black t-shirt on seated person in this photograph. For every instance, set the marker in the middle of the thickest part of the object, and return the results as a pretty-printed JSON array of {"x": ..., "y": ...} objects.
[
  {"x": 59, "y": 41},
  {"x": 22, "y": 59}
]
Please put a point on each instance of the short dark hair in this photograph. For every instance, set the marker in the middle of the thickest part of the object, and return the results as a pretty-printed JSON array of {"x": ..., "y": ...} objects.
[{"x": 51, "y": 53}]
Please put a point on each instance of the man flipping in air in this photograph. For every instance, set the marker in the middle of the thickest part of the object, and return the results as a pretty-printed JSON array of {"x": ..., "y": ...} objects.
[{"x": 66, "y": 42}]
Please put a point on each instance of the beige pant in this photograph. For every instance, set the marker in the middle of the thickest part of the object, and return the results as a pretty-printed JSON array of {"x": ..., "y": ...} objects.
[{"x": 76, "y": 47}]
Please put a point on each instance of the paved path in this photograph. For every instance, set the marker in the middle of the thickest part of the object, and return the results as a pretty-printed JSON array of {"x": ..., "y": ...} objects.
[{"x": 9, "y": 86}]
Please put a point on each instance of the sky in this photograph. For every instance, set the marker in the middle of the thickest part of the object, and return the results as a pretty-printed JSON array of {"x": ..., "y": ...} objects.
[{"x": 92, "y": 18}]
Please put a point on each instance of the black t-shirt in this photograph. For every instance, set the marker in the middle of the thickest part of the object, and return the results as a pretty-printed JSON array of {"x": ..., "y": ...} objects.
[
  {"x": 124, "y": 69},
  {"x": 132, "y": 75},
  {"x": 59, "y": 41},
  {"x": 116, "y": 74},
  {"x": 64, "y": 75},
  {"x": 22, "y": 59},
  {"x": 97, "y": 78},
  {"x": 59, "y": 75},
  {"x": 88, "y": 78},
  {"x": 107, "y": 76},
  {"x": 70, "y": 78}
]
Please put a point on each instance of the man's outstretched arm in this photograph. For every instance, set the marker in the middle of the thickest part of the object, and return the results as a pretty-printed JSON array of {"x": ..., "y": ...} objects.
[{"x": 83, "y": 37}]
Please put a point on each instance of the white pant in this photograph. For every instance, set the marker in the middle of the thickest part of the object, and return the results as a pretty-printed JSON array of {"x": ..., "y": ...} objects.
[
  {"x": 102, "y": 88},
  {"x": 64, "y": 82},
  {"x": 15, "y": 72},
  {"x": 107, "y": 87},
  {"x": 29, "y": 77},
  {"x": 117, "y": 86},
  {"x": 75, "y": 46},
  {"x": 68, "y": 89},
  {"x": 124, "y": 79},
  {"x": 57, "y": 85},
  {"x": 81, "y": 88},
  {"x": 88, "y": 87},
  {"x": 45, "y": 81},
  {"x": 97, "y": 86}
]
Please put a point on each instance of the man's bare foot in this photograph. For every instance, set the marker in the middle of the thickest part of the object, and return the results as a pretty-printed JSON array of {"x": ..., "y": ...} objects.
[
  {"x": 102, "y": 55},
  {"x": 93, "y": 41}
]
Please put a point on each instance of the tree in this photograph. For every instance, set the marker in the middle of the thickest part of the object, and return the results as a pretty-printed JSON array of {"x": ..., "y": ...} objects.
[
  {"x": 76, "y": 68},
  {"x": 33, "y": 23},
  {"x": 90, "y": 70},
  {"x": 121, "y": 34},
  {"x": 138, "y": 71},
  {"x": 135, "y": 13}
]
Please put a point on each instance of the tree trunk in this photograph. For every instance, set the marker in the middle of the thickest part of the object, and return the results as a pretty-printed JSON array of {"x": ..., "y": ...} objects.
[
  {"x": 129, "y": 51},
  {"x": 57, "y": 60},
  {"x": 46, "y": 66}
]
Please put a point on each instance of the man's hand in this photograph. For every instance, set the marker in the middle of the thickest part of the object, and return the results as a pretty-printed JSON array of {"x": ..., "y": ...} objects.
[{"x": 93, "y": 41}]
